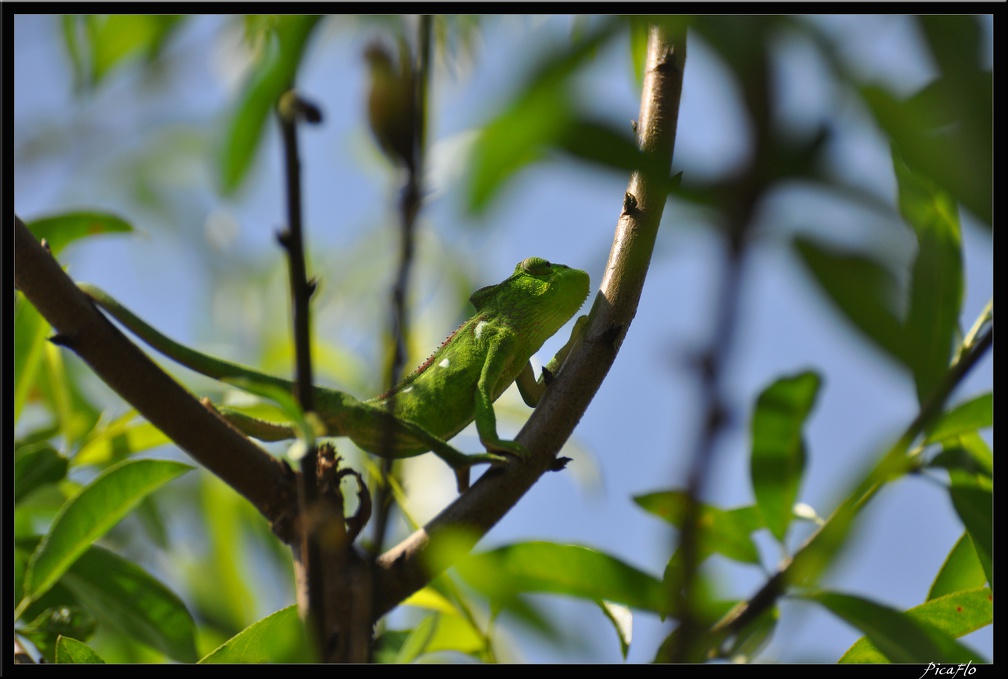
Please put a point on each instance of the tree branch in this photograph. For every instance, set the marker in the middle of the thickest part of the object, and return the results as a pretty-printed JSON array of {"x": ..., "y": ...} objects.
[
  {"x": 262, "y": 479},
  {"x": 409, "y": 566}
]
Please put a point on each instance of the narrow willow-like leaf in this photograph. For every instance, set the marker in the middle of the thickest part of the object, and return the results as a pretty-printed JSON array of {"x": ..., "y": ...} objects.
[
  {"x": 30, "y": 331},
  {"x": 955, "y": 614},
  {"x": 573, "y": 570},
  {"x": 69, "y": 650},
  {"x": 417, "y": 640},
  {"x": 863, "y": 290},
  {"x": 962, "y": 570},
  {"x": 973, "y": 499},
  {"x": 35, "y": 467},
  {"x": 123, "y": 595},
  {"x": 62, "y": 229},
  {"x": 972, "y": 415},
  {"x": 898, "y": 636},
  {"x": 269, "y": 80},
  {"x": 723, "y": 531},
  {"x": 937, "y": 277},
  {"x": 778, "y": 447},
  {"x": 277, "y": 638},
  {"x": 457, "y": 635},
  {"x": 90, "y": 514},
  {"x": 118, "y": 439},
  {"x": 118, "y": 37}
]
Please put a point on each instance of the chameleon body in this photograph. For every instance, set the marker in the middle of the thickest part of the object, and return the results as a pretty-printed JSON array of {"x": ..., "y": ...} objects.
[{"x": 456, "y": 385}]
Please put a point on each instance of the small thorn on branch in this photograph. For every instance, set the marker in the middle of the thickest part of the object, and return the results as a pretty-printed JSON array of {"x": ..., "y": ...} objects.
[
  {"x": 559, "y": 464},
  {"x": 283, "y": 237},
  {"x": 61, "y": 340},
  {"x": 292, "y": 107}
]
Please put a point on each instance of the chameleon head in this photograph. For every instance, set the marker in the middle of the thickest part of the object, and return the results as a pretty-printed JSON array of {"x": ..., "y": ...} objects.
[{"x": 541, "y": 295}]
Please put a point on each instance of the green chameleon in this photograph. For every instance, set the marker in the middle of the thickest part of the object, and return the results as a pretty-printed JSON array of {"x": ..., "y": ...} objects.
[{"x": 457, "y": 384}]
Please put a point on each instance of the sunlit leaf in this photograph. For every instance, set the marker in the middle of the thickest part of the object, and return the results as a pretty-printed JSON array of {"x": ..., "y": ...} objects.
[
  {"x": 118, "y": 439},
  {"x": 417, "y": 640},
  {"x": 572, "y": 570},
  {"x": 955, "y": 614},
  {"x": 69, "y": 650},
  {"x": 621, "y": 618},
  {"x": 899, "y": 637},
  {"x": 277, "y": 638},
  {"x": 115, "y": 38},
  {"x": 62, "y": 229},
  {"x": 30, "y": 331},
  {"x": 90, "y": 514},
  {"x": 968, "y": 453},
  {"x": 962, "y": 570},
  {"x": 863, "y": 290},
  {"x": 972, "y": 415},
  {"x": 778, "y": 447}
]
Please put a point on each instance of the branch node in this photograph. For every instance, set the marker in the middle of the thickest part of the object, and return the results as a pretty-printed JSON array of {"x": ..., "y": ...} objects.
[
  {"x": 62, "y": 340},
  {"x": 629, "y": 203},
  {"x": 559, "y": 464},
  {"x": 283, "y": 237}
]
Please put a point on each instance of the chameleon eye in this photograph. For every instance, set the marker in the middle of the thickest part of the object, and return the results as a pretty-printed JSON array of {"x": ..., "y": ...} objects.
[{"x": 537, "y": 266}]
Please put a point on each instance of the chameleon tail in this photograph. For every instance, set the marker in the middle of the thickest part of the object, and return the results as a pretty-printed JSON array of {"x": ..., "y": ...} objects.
[{"x": 194, "y": 360}]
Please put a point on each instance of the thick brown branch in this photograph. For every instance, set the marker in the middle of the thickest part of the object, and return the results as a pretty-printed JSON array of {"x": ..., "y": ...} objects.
[
  {"x": 266, "y": 482},
  {"x": 406, "y": 568}
]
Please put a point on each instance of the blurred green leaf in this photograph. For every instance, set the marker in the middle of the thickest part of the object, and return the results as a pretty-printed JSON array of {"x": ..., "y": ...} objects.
[
  {"x": 47, "y": 627},
  {"x": 898, "y": 636},
  {"x": 972, "y": 415},
  {"x": 538, "y": 117},
  {"x": 121, "y": 594},
  {"x": 973, "y": 498},
  {"x": 961, "y": 571},
  {"x": 726, "y": 532},
  {"x": 945, "y": 132},
  {"x": 89, "y": 515},
  {"x": 75, "y": 414},
  {"x": 937, "y": 281},
  {"x": 576, "y": 571},
  {"x": 30, "y": 331},
  {"x": 37, "y": 466},
  {"x": 277, "y": 638},
  {"x": 778, "y": 447},
  {"x": 862, "y": 289},
  {"x": 114, "y": 39},
  {"x": 270, "y": 78},
  {"x": 955, "y": 614},
  {"x": 117, "y": 439},
  {"x": 417, "y": 639},
  {"x": 456, "y": 634},
  {"x": 62, "y": 229},
  {"x": 69, "y": 650}
]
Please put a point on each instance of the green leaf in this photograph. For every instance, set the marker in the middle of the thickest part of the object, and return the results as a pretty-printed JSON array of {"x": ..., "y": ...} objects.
[
  {"x": 30, "y": 331},
  {"x": 117, "y": 439},
  {"x": 269, "y": 80},
  {"x": 538, "y": 117},
  {"x": 45, "y": 629},
  {"x": 955, "y": 615},
  {"x": 69, "y": 650},
  {"x": 417, "y": 640},
  {"x": 725, "y": 532},
  {"x": 576, "y": 571},
  {"x": 899, "y": 637},
  {"x": 89, "y": 515},
  {"x": 277, "y": 638},
  {"x": 937, "y": 277},
  {"x": 973, "y": 498},
  {"x": 37, "y": 466},
  {"x": 778, "y": 447},
  {"x": 127, "y": 598},
  {"x": 967, "y": 453},
  {"x": 962, "y": 570},
  {"x": 863, "y": 290},
  {"x": 456, "y": 634},
  {"x": 116, "y": 38},
  {"x": 62, "y": 229},
  {"x": 975, "y": 414}
]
